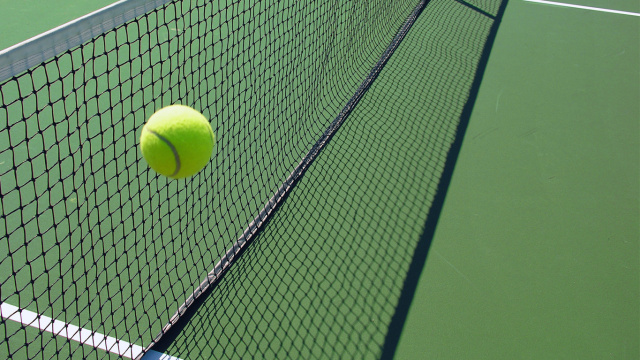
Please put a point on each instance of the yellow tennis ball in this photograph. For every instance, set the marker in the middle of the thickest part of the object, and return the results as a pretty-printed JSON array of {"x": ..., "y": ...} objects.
[{"x": 177, "y": 141}]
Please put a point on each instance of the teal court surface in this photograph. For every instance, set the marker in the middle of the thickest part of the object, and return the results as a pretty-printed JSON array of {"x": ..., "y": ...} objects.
[{"x": 412, "y": 180}]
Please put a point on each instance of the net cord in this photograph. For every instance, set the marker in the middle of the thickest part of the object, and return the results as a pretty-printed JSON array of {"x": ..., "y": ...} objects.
[
  {"x": 249, "y": 233},
  {"x": 23, "y": 56}
]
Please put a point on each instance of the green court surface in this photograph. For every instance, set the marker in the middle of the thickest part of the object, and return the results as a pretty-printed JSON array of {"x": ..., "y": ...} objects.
[
  {"x": 430, "y": 227},
  {"x": 536, "y": 251},
  {"x": 22, "y": 20}
]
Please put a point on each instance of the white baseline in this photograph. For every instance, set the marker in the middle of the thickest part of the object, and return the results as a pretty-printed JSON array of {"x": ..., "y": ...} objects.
[
  {"x": 76, "y": 333},
  {"x": 583, "y": 7}
]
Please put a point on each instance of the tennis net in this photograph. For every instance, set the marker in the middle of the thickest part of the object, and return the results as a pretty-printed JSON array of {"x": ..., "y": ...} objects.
[{"x": 98, "y": 252}]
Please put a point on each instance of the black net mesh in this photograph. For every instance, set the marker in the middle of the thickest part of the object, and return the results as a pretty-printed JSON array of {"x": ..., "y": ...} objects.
[
  {"x": 90, "y": 236},
  {"x": 324, "y": 277}
]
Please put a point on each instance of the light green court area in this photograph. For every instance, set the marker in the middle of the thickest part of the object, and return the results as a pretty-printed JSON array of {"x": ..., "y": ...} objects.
[
  {"x": 616, "y": 5},
  {"x": 536, "y": 252},
  {"x": 22, "y": 20}
]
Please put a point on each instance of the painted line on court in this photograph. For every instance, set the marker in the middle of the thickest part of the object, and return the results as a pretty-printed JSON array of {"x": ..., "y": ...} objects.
[
  {"x": 583, "y": 7},
  {"x": 76, "y": 333}
]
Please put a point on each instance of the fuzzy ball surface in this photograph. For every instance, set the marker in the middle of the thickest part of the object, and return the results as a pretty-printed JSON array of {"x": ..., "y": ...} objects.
[{"x": 177, "y": 141}]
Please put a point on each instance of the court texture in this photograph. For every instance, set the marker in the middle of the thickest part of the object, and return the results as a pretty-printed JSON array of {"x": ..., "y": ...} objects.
[{"x": 411, "y": 179}]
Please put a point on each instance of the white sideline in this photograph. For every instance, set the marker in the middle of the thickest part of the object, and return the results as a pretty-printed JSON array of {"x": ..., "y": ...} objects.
[
  {"x": 583, "y": 7},
  {"x": 76, "y": 333}
]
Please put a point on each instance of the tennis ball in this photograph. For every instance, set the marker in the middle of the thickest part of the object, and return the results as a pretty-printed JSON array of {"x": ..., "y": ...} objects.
[{"x": 177, "y": 141}]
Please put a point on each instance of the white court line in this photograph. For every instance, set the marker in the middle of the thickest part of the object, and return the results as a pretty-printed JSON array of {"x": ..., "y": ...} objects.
[
  {"x": 583, "y": 7},
  {"x": 76, "y": 333}
]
